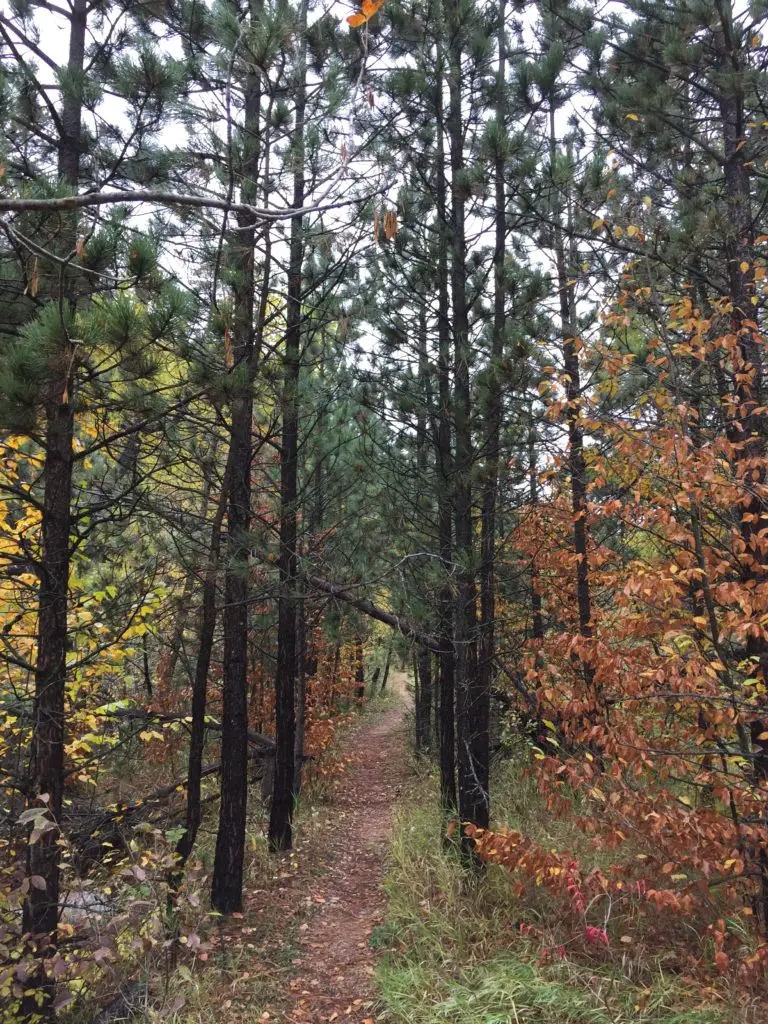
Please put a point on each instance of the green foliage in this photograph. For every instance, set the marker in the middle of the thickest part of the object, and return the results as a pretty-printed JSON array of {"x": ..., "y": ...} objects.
[{"x": 26, "y": 364}]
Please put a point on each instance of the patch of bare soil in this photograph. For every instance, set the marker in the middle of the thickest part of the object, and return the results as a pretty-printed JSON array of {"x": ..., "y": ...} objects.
[{"x": 336, "y": 888}]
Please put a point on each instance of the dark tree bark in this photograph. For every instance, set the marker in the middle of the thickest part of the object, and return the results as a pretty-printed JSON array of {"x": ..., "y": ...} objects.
[
  {"x": 423, "y": 699},
  {"x": 145, "y": 666},
  {"x": 577, "y": 467},
  {"x": 280, "y": 833},
  {"x": 193, "y": 815},
  {"x": 747, "y": 427},
  {"x": 302, "y": 668},
  {"x": 40, "y": 911},
  {"x": 493, "y": 411},
  {"x": 444, "y": 459},
  {"x": 227, "y": 884},
  {"x": 537, "y": 628},
  {"x": 387, "y": 663},
  {"x": 472, "y": 697},
  {"x": 422, "y": 664},
  {"x": 359, "y": 669}
]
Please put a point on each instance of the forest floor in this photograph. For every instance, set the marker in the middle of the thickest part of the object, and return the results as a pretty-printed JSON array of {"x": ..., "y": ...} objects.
[
  {"x": 332, "y": 884},
  {"x": 337, "y": 959}
]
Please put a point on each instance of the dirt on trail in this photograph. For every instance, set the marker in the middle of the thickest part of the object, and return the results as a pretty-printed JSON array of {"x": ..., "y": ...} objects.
[{"x": 336, "y": 962}]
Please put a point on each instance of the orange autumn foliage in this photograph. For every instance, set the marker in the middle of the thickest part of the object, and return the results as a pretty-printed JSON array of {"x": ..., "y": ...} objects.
[
  {"x": 662, "y": 759},
  {"x": 366, "y": 12}
]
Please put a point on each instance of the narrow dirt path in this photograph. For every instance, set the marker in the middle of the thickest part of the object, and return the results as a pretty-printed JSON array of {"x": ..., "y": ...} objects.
[{"x": 336, "y": 960}]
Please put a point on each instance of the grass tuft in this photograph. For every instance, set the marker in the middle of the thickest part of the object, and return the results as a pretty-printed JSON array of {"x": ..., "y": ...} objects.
[{"x": 454, "y": 955}]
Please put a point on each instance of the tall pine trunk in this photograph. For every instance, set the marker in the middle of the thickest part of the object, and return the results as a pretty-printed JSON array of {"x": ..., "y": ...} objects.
[
  {"x": 193, "y": 815},
  {"x": 747, "y": 427},
  {"x": 302, "y": 666},
  {"x": 227, "y": 884},
  {"x": 422, "y": 657},
  {"x": 577, "y": 467},
  {"x": 537, "y": 626},
  {"x": 40, "y": 911},
  {"x": 493, "y": 411},
  {"x": 280, "y": 834},
  {"x": 472, "y": 696},
  {"x": 444, "y": 460}
]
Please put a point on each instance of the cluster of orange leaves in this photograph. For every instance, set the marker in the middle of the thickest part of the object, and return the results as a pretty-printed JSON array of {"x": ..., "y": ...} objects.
[
  {"x": 650, "y": 753},
  {"x": 366, "y": 12}
]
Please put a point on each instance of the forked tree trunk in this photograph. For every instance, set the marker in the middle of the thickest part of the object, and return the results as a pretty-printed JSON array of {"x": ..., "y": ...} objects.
[{"x": 193, "y": 816}]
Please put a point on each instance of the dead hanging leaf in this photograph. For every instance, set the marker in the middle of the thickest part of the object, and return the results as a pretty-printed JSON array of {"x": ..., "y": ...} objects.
[
  {"x": 343, "y": 328},
  {"x": 369, "y": 97},
  {"x": 34, "y": 279},
  {"x": 80, "y": 248},
  {"x": 366, "y": 12},
  {"x": 376, "y": 224},
  {"x": 390, "y": 224},
  {"x": 228, "y": 358}
]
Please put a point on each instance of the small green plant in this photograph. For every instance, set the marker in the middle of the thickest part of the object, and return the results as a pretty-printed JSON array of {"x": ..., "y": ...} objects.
[{"x": 383, "y": 936}]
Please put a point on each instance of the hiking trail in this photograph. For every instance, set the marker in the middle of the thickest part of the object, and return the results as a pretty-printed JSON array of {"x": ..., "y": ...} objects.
[{"x": 342, "y": 893}]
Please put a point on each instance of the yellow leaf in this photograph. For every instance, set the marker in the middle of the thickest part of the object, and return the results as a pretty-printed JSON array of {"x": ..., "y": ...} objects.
[
  {"x": 598, "y": 223},
  {"x": 743, "y": 266},
  {"x": 647, "y": 201},
  {"x": 631, "y": 117},
  {"x": 763, "y": 736}
]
